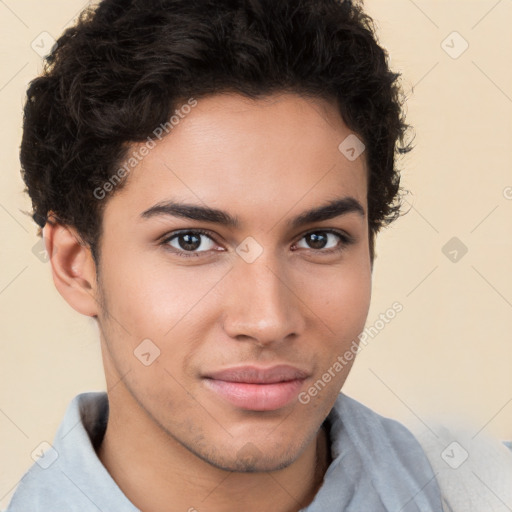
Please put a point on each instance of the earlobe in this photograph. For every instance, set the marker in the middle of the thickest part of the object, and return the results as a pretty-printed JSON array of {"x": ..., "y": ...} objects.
[{"x": 73, "y": 267}]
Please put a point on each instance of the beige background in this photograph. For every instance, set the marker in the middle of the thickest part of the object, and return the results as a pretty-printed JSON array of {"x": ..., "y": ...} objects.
[{"x": 447, "y": 355}]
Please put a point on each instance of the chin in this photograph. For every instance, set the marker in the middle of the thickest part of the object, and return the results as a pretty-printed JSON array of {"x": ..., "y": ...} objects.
[
  {"x": 251, "y": 459},
  {"x": 262, "y": 465}
]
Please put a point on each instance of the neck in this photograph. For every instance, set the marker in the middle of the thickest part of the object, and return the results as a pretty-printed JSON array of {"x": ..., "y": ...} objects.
[{"x": 153, "y": 469}]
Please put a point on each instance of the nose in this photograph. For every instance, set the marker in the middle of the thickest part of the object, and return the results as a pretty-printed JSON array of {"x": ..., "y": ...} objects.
[{"x": 263, "y": 304}]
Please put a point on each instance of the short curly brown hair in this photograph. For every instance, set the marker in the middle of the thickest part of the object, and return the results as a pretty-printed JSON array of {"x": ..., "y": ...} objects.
[{"x": 125, "y": 66}]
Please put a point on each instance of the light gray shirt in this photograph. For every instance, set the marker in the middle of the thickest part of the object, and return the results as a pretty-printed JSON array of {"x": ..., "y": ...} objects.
[{"x": 377, "y": 465}]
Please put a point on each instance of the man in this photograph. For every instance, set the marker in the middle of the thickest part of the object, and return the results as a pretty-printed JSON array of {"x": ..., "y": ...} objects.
[{"x": 210, "y": 177}]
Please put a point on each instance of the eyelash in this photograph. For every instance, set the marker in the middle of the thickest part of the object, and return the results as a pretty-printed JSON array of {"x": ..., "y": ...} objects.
[{"x": 345, "y": 241}]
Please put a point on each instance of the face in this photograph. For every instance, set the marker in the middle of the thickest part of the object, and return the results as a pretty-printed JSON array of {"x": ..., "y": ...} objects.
[{"x": 189, "y": 294}]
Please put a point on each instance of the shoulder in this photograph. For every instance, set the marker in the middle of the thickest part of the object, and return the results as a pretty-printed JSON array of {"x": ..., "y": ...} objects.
[
  {"x": 34, "y": 490},
  {"x": 376, "y": 430},
  {"x": 383, "y": 450},
  {"x": 66, "y": 470},
  {"x": 474, "y": 470}
]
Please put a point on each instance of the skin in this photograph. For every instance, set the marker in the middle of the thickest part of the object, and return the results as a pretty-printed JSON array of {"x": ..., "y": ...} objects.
[{"x": 169, "y": 439}]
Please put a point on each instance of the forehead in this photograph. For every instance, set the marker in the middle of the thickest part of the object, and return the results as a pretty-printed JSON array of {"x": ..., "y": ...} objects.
[{"x": 259, "y": 156}]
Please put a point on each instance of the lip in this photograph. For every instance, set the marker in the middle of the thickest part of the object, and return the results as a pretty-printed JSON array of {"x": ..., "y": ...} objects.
[
  {"x": 257, "y": 375},
  {"x": 257, "y": 389}
]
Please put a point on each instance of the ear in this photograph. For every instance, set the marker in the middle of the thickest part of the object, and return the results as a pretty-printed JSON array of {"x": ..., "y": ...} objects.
[{"x": 73, "y": 267}]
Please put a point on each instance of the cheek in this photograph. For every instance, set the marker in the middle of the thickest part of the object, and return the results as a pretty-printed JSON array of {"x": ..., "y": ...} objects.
[
  {"x": 172, "y": 306},
  {"x": 340, "y": 297},
  {"x": 340, "y": 302},
  {"x": 149, "y": 296},
  {"x": 341, "y": 305},
  {"x": 151, "y": 311}
]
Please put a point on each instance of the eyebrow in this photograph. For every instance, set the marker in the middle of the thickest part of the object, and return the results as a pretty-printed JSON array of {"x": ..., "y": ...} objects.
[{"x": 330, "y": 210}]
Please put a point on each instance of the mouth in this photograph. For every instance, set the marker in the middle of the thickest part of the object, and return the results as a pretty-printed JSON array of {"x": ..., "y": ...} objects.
[{"x": 257, "y": 389}]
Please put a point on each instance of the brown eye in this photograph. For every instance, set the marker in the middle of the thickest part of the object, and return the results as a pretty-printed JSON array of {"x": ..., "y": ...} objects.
[
  {"x": 192, "y": 241},
  {"x": 325, "y": 241}
]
